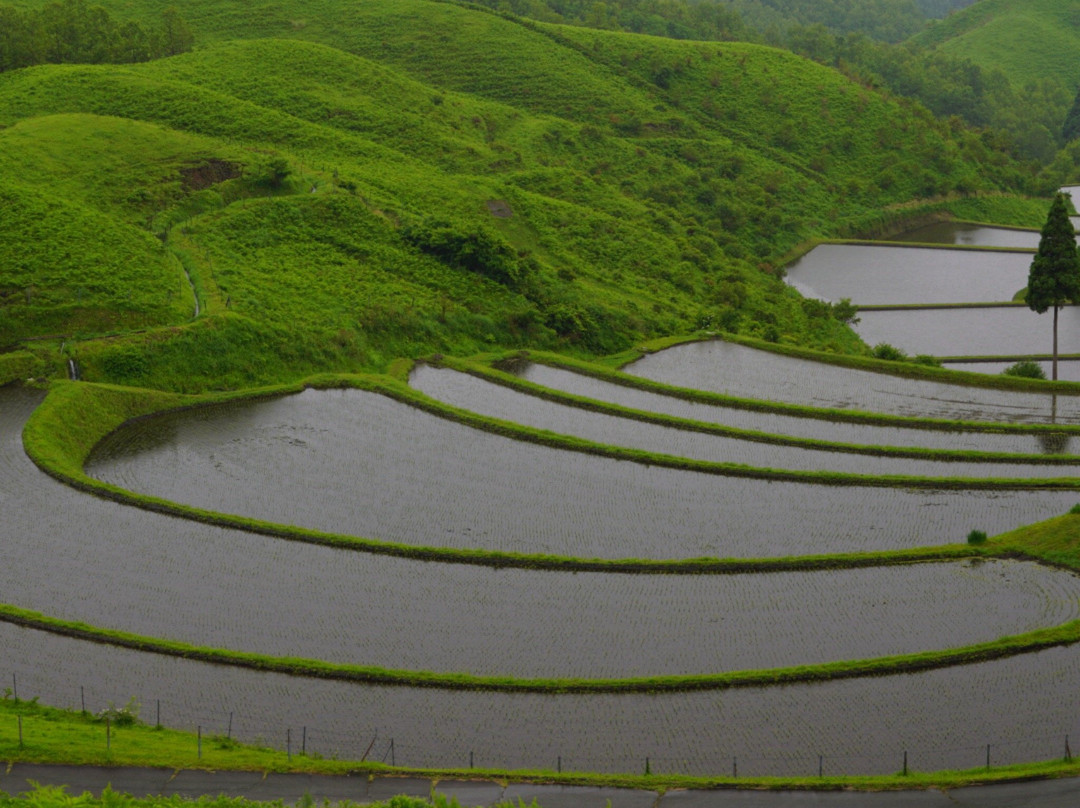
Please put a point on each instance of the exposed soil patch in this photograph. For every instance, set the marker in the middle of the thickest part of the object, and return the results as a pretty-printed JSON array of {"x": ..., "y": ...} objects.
[
  {"x": 213, "y": 171},
  {"x": 499, "y": 208}
]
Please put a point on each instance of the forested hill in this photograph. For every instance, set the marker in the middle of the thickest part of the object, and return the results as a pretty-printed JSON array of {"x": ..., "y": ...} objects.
[
  {"x": 1030, "y": 40},
  {"x": 344, "y": 183}
]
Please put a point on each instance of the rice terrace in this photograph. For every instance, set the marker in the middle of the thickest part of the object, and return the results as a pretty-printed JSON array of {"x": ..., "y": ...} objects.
[{"x": 514, "y": 388}]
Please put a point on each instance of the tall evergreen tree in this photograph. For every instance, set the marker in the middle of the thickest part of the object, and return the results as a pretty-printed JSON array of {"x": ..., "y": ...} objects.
[
  {"x": 1070, "y": 130},
  {"x": 1054, "y": 279}
]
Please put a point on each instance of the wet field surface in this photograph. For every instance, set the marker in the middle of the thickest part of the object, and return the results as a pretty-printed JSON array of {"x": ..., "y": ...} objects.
[
  {"x": 737, "y": 370},
  {"x": 374, "y": 467}
]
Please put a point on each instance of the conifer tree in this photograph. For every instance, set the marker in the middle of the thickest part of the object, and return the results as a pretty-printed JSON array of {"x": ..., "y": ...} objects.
[{"x": 1054, "y": 279}]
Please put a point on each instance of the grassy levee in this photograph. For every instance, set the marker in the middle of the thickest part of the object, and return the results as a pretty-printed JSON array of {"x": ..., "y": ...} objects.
[
  {"x": 488, "y": 373},
  {"x": 607, "y": 370},
  {"x": 68, "y": 737},
  {"x": 1040, "y": 639},
  {"x": 61, "y": 433},
  {"x": 43, "y": 796}
]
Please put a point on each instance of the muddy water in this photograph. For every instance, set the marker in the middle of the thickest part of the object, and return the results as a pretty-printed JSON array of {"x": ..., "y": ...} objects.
[
  {"x": 941, "y": 718},
  {"x": 870, "y": 275},
  {"x": 737, "y": 370},
  {"x": 972, "y": 235},
  {"x": 589, "y": 387},
  {"x": 374, "y": 467},
  {"x": 1014, "y": 331},
  {"x": 477, "y": 395}
]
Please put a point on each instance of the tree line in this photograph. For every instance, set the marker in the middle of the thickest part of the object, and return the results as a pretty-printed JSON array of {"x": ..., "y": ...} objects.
[{"x": 73, "y": 32}]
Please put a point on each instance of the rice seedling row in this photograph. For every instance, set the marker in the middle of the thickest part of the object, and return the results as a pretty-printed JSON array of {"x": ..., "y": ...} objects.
[
  {"x": 471, "y": 393},
  {"x": 580, "y": 384},
  {"x": 376, "y": 467},
  {"x": 860, "y": 726},
  {"x": 884, "y": 275},
  {"x": 734, "y": 369}
]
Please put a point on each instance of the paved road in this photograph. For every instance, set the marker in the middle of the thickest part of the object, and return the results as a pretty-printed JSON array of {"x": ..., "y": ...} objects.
[{"x": 291, "y": 787}]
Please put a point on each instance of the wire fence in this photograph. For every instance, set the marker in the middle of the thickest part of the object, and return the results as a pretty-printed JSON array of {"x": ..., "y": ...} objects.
[{"x": 221, "y": 729}]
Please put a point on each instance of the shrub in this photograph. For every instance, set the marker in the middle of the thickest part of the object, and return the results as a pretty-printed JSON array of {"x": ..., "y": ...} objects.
[
  {"x": 926, "y": 359},
  {"x": 1075, "y": 509},
  {"x": 1025, "y": 370},
  {"x": 884, "y": 350},
  {"x": 977, "y": 537}
]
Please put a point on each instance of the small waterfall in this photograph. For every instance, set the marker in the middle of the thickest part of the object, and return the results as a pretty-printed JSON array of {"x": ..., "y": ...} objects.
[{"x": 73, "y": 370}]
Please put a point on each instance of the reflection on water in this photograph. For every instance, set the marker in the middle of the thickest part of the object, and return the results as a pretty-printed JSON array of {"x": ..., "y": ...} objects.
[{"x": 959, "y": 233}]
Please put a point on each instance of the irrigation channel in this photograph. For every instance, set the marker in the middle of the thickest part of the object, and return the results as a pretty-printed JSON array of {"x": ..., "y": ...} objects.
[{"x": 373, "y": 466}]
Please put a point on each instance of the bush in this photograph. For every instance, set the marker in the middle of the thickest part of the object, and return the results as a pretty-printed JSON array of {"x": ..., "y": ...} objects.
[
  {"x": 1075, "y": 509},
  {"x": 1025, "y": 370},
  {"x": 977, "y": 537},
  {"x": 884, "y": 350},
  {"x": 470, "y": 247}
]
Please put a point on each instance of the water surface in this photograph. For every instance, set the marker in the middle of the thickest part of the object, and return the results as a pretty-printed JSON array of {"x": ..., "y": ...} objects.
[
  {"x": 738, "y": 370},
  {"x": 589, "y": 387},
  {"x": 1016, "y": 331},
  {"x": 375, "y": 467},
  {"x": 971, "y": 235},
  {"x": 870, "y": 275}
]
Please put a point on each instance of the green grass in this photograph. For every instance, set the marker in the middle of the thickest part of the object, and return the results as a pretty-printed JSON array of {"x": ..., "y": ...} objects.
[
  {"x": 653, "y": 186},
  {"x": 67, "y": 737}
]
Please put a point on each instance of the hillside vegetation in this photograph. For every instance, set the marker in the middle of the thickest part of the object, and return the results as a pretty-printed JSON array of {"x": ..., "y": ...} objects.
[
  {"x": 1029, "y": 40},
  {"x": 401, "y": 186}
]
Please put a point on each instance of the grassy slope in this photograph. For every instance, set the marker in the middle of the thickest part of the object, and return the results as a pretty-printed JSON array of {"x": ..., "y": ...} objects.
[
  {"x": 644, "y": 209},
  {"x": 1027, "y": 39}
]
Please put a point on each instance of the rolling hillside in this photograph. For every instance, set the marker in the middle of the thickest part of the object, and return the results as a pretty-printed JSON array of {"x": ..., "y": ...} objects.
[
  {"x": 345, "y": 184},
  {"x": 1029, "y": 40}
]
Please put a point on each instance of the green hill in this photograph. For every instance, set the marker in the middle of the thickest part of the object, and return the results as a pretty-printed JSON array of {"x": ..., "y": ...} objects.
[
  {"x": 432, "y": 177},
  {"x": 1030, "y": 40}
]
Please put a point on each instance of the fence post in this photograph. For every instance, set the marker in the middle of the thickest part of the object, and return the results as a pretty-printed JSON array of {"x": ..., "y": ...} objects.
[
  {"x": 198, "y": 740},
  {"x": 15, "y": 688},
  {"x": 228, "y": 733},
  {"x": 20, "y": 732},
  {"x": 392, "y": 761},
  {"x": 559, "y": 766},
  {"x": 820, "y": 765},
  {"x": 82, "y": 698},
  {"x": 1068, "y": 751},
  {"x": 158, "y": 724},
  {"x": 303, "y": 742},
  {"x": 470, "y": 759},
  {"x": 905, "y": 763},
  {"x": 734, "y": 768},
  {"x": 988, "y": 756},
  {"x": 288, "y": 743}
]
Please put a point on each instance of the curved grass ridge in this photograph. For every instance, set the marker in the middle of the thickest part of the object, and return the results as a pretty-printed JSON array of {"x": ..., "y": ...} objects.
[
  {"x": 495, "y": 376},
  {"x": 608, "y": 370},
  {"x": 1066, "y": 634},
  {"x": 61, "y": 433},
  {"x": 903, "y": 370}
]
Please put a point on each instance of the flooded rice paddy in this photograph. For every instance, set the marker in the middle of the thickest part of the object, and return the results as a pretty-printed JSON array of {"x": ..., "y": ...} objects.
[
  {"x": 970, "y": 235},
  {"x": 879, "y": 276},
  {"x": 171, "y": 578},
  {"x": 862, "y": 726},
  {"x": 374, "y": 467},
  {"x": 1013, "y": 331},
  {"x": 1068, "y": 369},
  {"x": 580, "y": 384},
  {"x": 478, "y": 395},
  {"x": 737, "y": 370}
]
